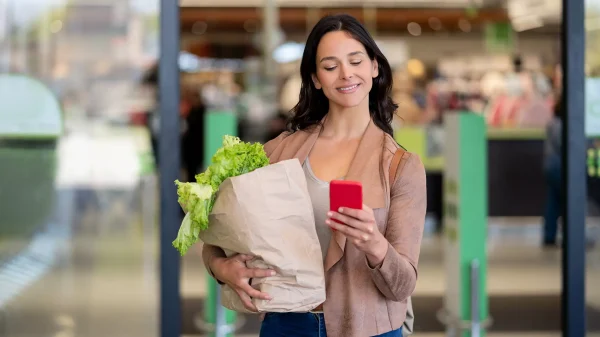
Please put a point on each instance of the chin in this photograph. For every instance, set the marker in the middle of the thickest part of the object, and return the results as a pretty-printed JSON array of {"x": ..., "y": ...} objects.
[{"x": 349, "y": 102}]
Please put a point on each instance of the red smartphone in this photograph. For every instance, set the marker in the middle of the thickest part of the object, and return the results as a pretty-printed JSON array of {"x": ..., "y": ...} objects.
[{"x": 344, "y": 193}]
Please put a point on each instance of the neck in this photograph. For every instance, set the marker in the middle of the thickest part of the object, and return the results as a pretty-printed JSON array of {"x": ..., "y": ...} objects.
[{"x": 346, "y": 123}]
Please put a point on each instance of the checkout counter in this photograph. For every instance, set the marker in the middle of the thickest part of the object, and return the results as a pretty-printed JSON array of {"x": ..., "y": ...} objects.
[{"x": 516, "y": 182}]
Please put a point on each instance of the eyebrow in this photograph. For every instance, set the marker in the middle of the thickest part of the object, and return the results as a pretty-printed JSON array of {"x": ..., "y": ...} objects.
[{"x": 335, "y": 58}]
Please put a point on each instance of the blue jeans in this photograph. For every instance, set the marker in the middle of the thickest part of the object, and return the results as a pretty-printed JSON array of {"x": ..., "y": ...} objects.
[
  {"x": 301, "y": 325},
  {"x": 553, "y": 174}
]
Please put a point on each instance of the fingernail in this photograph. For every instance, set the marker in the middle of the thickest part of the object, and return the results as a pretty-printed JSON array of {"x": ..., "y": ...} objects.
[
  {"x": 328, "y": 222},
  {"x": 330, "y": 214},
  {"x": 272, "y": 273},
  {"x": 341, "y": 209}
]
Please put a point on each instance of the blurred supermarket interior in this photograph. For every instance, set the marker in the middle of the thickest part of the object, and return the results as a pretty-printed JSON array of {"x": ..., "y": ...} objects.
[{"x": 79, "y": 140}]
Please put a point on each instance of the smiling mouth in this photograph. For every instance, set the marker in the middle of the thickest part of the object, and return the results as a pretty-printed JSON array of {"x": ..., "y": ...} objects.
[{"x": 349, "y": 88}]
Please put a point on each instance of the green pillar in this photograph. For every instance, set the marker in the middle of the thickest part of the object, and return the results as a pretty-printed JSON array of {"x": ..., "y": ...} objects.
[
  {"x": 217, "y": 124},
  {"x": 465, "y": 224}
]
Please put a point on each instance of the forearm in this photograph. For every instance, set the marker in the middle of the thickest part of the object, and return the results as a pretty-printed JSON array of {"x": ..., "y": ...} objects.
[
  {"x": 209, "y": 253},
  {"x": 395, "y": 276},
  {"x": 375, "y": 258}
]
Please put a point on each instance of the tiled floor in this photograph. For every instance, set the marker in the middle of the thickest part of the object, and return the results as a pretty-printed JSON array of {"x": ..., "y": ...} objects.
[
  {"x": 103, "y": 281},
  {"x": 517, "y": 266}
]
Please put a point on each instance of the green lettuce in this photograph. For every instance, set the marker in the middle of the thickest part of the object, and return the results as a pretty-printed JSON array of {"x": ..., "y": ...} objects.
[{"x": 233, "y": 159}]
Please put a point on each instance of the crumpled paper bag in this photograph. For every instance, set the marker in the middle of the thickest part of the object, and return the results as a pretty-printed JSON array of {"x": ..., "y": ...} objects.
[{"x": 268, "y": 214}]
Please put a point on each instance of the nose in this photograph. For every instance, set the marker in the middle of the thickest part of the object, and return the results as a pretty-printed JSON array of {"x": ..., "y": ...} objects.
[{"x": 345, "y": 72}]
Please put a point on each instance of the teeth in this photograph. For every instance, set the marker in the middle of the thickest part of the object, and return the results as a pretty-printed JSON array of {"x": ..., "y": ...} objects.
[{"x": 349, "y": 88}]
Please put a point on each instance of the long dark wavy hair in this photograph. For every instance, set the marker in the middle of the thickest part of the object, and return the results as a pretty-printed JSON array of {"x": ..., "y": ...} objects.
[{"x": 313, "y": 105}]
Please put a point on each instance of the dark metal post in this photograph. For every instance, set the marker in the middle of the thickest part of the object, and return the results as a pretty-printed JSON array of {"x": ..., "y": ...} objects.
[
  {"x": 475, "y": 319},
  {"x": 168, "y": 78},
  {"x": 574, "y": 170}
]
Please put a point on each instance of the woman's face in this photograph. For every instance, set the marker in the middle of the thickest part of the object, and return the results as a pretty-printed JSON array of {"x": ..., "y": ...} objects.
[{"x": 344, "y": 70}]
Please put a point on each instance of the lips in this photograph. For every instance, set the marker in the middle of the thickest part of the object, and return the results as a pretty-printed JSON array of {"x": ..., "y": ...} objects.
[{"x": 348, "y": 89}]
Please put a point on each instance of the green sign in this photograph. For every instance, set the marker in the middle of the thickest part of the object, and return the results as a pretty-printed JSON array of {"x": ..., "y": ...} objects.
[{"x": 499, "y": 37}]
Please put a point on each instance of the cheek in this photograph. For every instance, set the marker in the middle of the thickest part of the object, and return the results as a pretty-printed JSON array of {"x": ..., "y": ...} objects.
[
  {"x": 326, "y": 78},
  {"x": 368, "y": 81}
]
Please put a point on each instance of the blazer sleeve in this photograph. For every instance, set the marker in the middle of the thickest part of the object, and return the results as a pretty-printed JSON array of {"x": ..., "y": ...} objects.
[
  {"x": 210, "y": 251},
  {"x": 396, "y": 276}
]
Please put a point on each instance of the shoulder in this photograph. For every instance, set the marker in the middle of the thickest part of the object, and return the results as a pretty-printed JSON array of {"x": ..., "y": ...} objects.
[
  {"x": 276, "y": 142},
  {"x": 410, "y": 167}
]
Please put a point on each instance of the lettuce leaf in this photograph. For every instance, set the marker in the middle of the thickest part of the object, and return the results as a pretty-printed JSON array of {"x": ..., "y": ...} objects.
[
  {"x": 233, "y": 159},
  {"x": 196, "y": 200}
]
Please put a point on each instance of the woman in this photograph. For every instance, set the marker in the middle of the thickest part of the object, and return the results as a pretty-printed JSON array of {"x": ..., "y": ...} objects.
[{"x": 341, "y": 128}]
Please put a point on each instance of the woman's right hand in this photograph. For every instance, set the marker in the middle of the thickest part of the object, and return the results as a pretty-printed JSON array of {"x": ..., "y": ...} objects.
[{"x": 233, "y": 272}]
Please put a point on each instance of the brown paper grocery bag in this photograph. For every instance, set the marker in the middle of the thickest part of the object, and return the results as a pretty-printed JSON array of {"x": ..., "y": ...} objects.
[{"x": 268, "y": 213}]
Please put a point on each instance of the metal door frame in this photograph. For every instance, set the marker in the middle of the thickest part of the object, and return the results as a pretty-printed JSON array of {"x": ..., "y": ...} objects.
[
  {"x": 169, "y": 159},
  {"x": 574, "y": 170}
]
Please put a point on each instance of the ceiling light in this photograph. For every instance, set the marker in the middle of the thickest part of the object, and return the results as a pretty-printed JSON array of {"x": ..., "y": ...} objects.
[
  {"x": 464, "y": 25},
  {"x": 288, "y": 52},
  {"x": 435, "y": 23},
  {"x": 199, "y": 27},
  {"x": 56, "y": 26},
  {"x": 527, "y": 22},
  {"x": 414, "y": 28}
]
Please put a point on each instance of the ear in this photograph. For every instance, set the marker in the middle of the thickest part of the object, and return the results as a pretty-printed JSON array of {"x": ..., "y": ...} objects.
[
  {"x": 375, "y": 70},
  {"x": 316, "y": 82}
]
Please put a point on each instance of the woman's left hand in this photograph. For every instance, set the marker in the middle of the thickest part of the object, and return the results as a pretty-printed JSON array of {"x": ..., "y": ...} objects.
[{"x": 360, "y": 227}]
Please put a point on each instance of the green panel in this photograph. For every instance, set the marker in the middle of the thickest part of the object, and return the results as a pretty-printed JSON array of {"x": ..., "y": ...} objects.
[
  {"x": 413, "y": 139},
  {"x": 210, "y": 315},
  {"x": 27, "y": 187},
  {"x": 217, "y": 124},
  {"x": 473, "y": 210},
  {"x": 499, "y": 37},
  {"x": 591, "y": 162}
]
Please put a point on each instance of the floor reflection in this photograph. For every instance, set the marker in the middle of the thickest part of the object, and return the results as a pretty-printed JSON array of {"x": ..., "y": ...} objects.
[{"x": 92, "y": 272}]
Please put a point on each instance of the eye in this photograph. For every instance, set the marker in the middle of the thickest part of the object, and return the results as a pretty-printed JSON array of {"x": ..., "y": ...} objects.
[
  {"x": 355, "y": 63},
  {"x": 329, "y": 68}
]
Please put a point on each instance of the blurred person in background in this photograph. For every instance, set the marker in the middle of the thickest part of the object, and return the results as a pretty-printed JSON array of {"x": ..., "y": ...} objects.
[
  {"x": 553, "y": 173},
  {"x": 192, "y": 140},
  {"x": 152, "y": 116}
]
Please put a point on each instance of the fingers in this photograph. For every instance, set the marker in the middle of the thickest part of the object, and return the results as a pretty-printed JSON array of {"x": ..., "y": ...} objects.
[
  {"x": 247, "y": 288},
  {"x": 365, "y": 214},
  {"x": 365, "y": 226},
  {"x": 259, "y": 273},
  {"x": 247, "y": 301},
  {"x": 350, "y": 232}
]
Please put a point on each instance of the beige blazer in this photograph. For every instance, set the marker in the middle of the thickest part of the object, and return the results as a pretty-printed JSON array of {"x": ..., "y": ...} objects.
[{"x": 363, "y": 301}]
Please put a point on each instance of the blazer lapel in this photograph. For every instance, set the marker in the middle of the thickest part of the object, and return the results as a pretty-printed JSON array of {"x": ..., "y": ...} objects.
[{"x": 365, "y": 168}]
